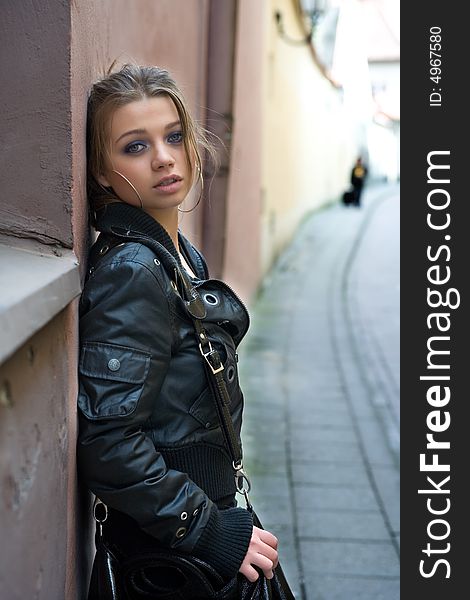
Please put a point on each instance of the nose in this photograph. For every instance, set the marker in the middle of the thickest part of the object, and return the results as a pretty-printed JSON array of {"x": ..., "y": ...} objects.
[{"x": 162, "y": 157}]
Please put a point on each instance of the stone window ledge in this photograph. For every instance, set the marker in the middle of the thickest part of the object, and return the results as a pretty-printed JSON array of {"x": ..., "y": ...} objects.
[{"x": 34, "y": 287}]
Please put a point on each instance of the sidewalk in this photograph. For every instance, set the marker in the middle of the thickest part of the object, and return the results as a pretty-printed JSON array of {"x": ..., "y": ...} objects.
[{"x": 320, "y": 375}]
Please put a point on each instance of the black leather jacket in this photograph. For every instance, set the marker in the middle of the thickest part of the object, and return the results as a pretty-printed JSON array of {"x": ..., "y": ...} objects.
[{"x": 150, "y": 445}]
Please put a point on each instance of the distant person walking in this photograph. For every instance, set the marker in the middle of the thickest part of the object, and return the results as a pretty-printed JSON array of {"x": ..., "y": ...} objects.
[{"x": 358, "y": 177}]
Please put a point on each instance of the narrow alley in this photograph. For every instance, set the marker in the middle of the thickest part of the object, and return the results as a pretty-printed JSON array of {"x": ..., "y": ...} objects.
[{"x": 320, "y": 374}]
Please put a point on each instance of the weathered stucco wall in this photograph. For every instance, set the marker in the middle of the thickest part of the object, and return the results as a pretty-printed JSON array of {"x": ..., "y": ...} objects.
[
  {"x": 35, "y": 153},
  {"x": 242, "y": 253},
  {"x": 37, "y": 437},
  {"x": 220, "y": 84}
]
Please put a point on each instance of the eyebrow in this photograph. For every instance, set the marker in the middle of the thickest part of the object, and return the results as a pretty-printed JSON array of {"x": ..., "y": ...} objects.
[{"x": 142, "y": 131}]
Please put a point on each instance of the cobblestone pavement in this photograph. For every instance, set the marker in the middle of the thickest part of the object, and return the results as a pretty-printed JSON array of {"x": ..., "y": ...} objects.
[{"x": 320, "y": 374}]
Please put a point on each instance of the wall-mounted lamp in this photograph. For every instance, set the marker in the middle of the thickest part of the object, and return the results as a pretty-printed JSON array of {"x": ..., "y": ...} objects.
[
  {"x": 314, "y": 15},
  {"x": 280, "y": 28}
]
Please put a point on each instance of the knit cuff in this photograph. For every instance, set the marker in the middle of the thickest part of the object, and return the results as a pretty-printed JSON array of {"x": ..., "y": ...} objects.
[{"x": 225, "y": 540}]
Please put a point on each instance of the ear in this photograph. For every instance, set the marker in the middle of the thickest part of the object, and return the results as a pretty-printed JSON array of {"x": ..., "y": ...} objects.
[{"x": 102, "y": 179}]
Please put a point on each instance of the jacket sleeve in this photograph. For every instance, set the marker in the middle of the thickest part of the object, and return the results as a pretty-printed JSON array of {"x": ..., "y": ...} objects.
[{"x": 125, "y": 350}]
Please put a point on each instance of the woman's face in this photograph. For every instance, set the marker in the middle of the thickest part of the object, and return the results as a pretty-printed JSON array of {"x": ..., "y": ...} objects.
[{"x": 146, "y": 147}]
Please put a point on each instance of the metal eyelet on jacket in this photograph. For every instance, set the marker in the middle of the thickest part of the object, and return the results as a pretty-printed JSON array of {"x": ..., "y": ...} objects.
[
  {"x": 156, "y": 261},
  {"x": 181, "y": 532},
  {"x": 195, "y": 511},
  {"x": 231, "y": 373},
  {"x": 104, "y": 249},
  {"x": 211, "y": 299}
]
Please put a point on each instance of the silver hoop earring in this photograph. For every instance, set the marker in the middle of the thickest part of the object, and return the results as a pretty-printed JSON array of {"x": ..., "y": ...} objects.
[
  {"x": 191, "y": 209},
  {"x": 200, "y": 195},
  {"x": 132, "y": 186}
]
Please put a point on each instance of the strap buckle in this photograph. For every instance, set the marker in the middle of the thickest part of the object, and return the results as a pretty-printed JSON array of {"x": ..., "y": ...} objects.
[{"x": 214, "y": 353}]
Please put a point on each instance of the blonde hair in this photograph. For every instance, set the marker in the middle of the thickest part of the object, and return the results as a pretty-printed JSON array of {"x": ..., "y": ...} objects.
[{"x": 130, "y": 83}]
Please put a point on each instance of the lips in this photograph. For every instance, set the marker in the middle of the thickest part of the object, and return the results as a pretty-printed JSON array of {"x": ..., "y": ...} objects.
[{"x": 166, "y": 181}]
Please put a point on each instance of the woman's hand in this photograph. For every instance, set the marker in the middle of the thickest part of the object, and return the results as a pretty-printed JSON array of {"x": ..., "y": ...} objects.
[{"x": 262, "y": 553}]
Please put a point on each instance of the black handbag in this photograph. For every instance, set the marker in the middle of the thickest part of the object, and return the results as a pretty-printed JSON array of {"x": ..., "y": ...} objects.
[
  {"x": 166, "y": 575},
  {"x": 169, "y": 576},
  {"x": 161, "y": 574}
]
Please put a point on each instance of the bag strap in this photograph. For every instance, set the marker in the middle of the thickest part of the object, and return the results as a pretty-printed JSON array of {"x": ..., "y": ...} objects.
[{"x": 213, "y": 367}]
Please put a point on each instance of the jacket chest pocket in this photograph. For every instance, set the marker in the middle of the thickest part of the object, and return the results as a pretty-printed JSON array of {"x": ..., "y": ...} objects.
[{"x": 112, "y": 378}]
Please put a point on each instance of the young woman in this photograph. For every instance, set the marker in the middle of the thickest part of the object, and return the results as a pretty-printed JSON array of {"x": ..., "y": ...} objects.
[{"x": 150, "y": 443}]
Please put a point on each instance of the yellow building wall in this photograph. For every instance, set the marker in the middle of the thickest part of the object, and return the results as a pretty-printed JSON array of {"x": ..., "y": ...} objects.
[{"x": 307, "y": 144}]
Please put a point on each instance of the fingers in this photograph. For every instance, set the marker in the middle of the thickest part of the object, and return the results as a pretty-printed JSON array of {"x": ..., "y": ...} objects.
[
  {"x": 249, "y": 572},
  {"x": 268, "y": 552},
  {"x": 252, "y": 574},
  {"x": 265, "y": 564},
  {"x": 261, "y": 553},
  {"x": 267, "y": 537},
  {"x": 265, "y": 543}
]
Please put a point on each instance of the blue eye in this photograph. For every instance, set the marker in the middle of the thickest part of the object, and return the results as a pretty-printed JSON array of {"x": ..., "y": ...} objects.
[
  {"x": 134, "y": 148},
  {"x": 175, "y": 138}
]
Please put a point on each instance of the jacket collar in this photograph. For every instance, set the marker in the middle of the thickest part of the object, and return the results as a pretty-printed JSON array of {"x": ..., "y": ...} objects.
[
  {"x": 130, "y": 220},
  {"x": 126, "y": 221}
]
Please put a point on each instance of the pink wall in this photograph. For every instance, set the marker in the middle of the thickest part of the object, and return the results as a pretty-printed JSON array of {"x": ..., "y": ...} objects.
[
  {"x": 38, "y": 383},
  {"x": 37, "y": 435},
  {"x": 242, "y": 253},
  {"x": 35, "y": 121},
  {"x": 221, "y": 49}
]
